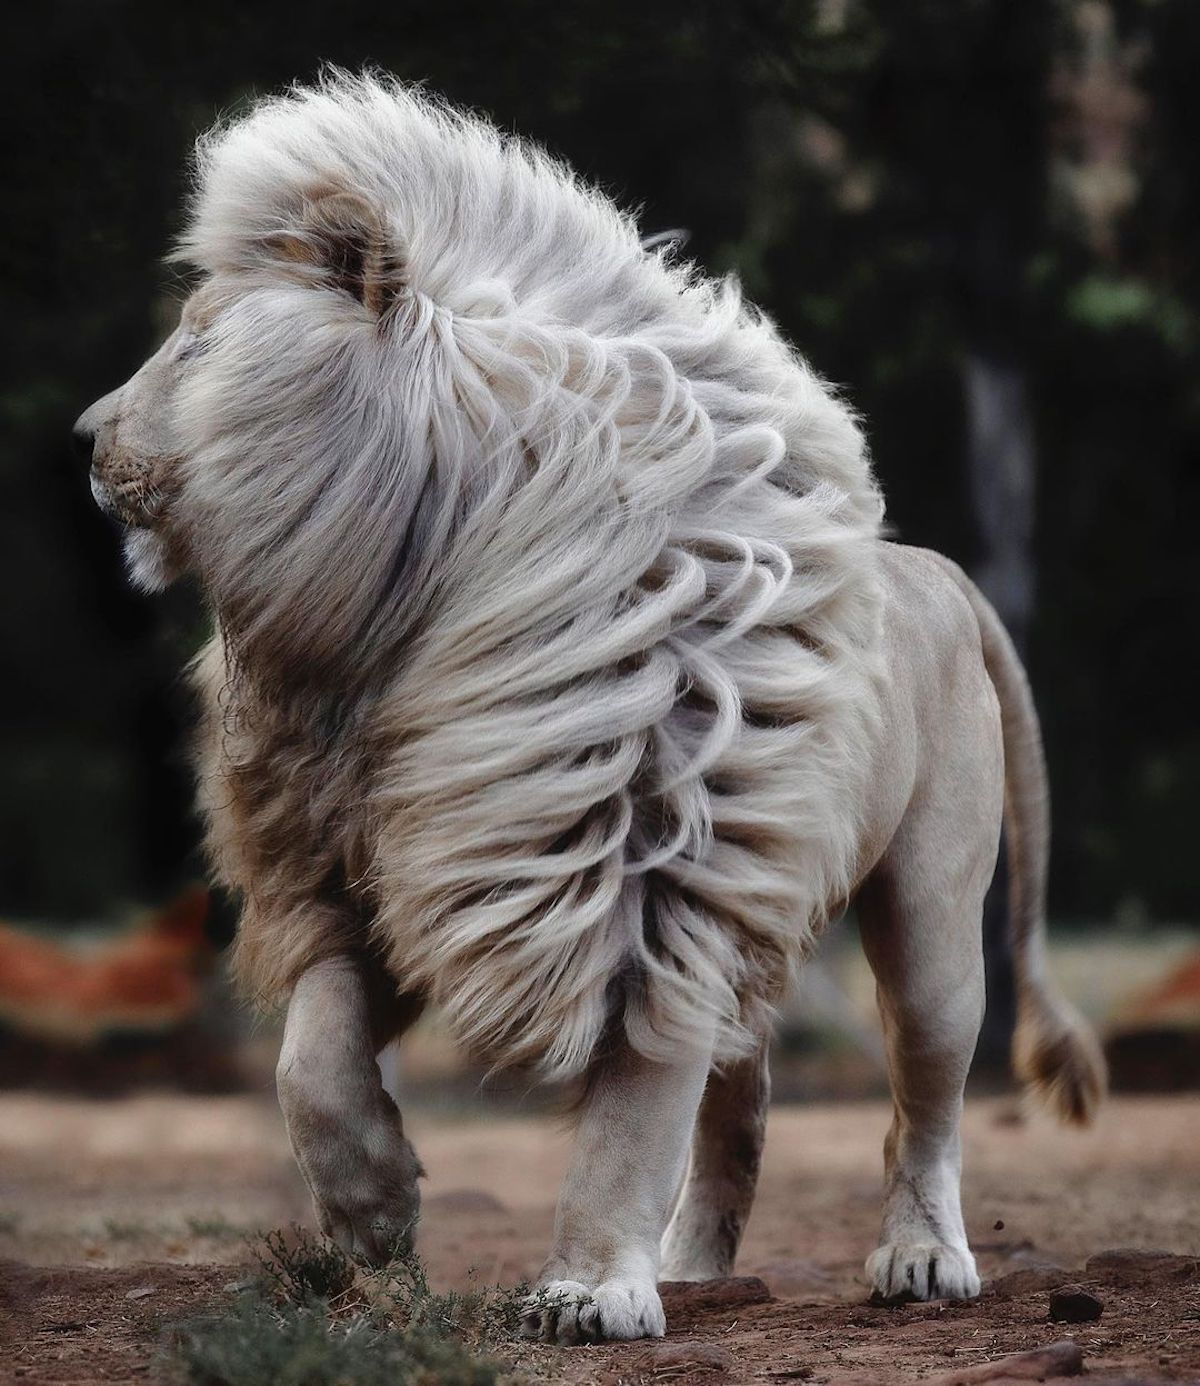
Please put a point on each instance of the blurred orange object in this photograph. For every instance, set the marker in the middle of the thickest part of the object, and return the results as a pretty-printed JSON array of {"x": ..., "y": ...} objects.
[
  {"x": 141, "y": 979},
  {"x": 1154, "y": 1043},
  {"x": 1175, "y": 1001}
]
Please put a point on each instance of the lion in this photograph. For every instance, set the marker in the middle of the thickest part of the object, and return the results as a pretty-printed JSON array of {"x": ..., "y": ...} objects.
[{"x": 563, "y": 680}]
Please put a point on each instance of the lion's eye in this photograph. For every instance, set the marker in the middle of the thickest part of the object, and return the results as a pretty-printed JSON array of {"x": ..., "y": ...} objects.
[{"x": 189, "y": 346}]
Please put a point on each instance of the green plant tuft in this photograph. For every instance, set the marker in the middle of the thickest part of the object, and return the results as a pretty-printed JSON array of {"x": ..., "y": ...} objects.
[
  {"x": 309, "y": 1268},
  {"x": 318, "y": 1318},
  {"x": 261, "y": 1342}
]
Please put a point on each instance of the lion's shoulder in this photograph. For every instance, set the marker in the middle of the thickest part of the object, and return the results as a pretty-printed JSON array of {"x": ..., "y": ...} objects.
[{"x": 924, "y": 604}]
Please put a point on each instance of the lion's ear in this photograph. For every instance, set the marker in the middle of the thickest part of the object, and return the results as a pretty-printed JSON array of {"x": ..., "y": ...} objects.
[{"x": 341, "y": 238}]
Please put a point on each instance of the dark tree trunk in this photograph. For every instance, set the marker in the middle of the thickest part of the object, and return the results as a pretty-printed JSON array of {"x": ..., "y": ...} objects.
[{"x": 1001, "y": 472}]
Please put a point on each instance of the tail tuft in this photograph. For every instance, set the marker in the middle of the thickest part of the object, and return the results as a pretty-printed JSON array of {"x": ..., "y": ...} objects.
[{"x": 1057, "y": 1056}]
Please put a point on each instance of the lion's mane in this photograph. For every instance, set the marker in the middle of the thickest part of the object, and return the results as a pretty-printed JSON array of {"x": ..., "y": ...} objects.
[{"x": 548, "y": 596}]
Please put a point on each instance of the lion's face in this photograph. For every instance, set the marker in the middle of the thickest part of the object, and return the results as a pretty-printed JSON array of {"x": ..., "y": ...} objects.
[
  {"x": 131, "y": 436},
  {"x": 214, "y": 452}
]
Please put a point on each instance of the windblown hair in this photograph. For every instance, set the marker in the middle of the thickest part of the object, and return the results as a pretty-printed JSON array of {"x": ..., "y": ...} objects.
[{"x": 546, "y": 584}]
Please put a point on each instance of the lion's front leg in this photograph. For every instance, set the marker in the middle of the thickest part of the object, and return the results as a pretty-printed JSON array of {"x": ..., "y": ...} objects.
[
  {"x": 601, "y": 1279},
  {"x": 345, "y": 1130},
  {"x": 702, "y": 1240}
]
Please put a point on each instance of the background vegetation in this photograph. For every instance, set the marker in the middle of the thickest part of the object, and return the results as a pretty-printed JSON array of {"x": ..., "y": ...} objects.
[{"x": 980, "y": 216}]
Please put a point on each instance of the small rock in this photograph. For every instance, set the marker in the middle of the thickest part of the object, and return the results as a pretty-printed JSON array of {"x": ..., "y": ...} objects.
[
  {"x": 237, "y": 1287},
  {"x": 1127, "y": 1267},
  {"x": 729, "y": 1293},
  {"x": 141, "y": 1292},
  {"x": 1059, "y": 1359},
  {"x": 1074, "y": 1304},
  {"x": 683, "y": 1357}
]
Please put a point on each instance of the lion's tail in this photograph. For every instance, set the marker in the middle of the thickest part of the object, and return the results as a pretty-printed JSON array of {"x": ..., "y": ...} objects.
[{"x": 1055, "y": 1052}]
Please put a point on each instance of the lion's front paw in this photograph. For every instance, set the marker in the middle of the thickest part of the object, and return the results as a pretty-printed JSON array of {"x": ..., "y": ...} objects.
[
  {"x": 360, "y": 1169},
  {"x": 567, "y": 1312},
  {"x": 372, "y": 1216},
  {"x": 901, "y": 1271}
]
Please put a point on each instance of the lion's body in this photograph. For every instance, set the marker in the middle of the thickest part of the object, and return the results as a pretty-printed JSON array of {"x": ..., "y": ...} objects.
[{"x": 562, "y": 679}]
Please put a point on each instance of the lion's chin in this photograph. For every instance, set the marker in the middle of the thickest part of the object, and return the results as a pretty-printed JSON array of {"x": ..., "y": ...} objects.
[{"x": 149, "y": 561}]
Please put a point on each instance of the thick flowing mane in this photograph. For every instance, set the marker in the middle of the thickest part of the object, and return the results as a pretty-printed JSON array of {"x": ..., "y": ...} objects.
[{"x": 551, "y": 569}]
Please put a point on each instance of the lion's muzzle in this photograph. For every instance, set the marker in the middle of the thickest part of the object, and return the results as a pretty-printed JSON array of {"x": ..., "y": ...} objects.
[{"x": 123, "y": 483}]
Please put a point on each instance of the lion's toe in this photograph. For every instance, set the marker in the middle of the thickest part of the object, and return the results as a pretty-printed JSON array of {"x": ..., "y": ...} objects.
[
  {"x": 552, "y": 1313},
  {"x": 627, "y": 1309}
]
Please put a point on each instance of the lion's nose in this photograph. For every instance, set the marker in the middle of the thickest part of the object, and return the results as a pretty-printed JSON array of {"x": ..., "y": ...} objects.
[{"x": 83, "y": 438}]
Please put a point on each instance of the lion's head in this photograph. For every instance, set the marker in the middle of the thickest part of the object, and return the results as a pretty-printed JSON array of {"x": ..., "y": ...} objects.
[{"x": 204, "y": 456}]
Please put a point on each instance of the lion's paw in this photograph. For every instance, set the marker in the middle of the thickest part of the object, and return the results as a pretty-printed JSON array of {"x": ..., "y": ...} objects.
[
  {"x": 371, "y": 1224},
  {"x": 360, "y": 1168},
  {"x": 900, "y": 1271},
  {"x": 567, "y": 1313}
]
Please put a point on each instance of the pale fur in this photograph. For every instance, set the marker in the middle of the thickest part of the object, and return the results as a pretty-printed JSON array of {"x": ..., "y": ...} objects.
[
  {"x": 549, "y": 598},
  {"x": 562, "y": 679}
]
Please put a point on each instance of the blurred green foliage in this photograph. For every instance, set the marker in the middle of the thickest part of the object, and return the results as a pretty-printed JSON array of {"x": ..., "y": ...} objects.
[{"x": 897, "y": 184}]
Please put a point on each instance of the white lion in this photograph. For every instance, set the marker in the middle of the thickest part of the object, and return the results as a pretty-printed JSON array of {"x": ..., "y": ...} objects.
[{"x": 563, "y": 680}]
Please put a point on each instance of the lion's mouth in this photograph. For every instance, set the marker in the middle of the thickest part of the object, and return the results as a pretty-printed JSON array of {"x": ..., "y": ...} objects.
[{"x": 128, "y": 506}]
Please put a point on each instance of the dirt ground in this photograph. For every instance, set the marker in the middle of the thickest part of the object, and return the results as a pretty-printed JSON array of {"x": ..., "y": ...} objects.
[{"x": 117, "y": 1217}]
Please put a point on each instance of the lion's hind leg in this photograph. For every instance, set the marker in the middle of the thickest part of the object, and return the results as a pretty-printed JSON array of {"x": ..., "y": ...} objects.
[
  {"x": 921, "y": 918},
  {"x": 929, "y": 972},
  {"x": 702, "y": 1240}
]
